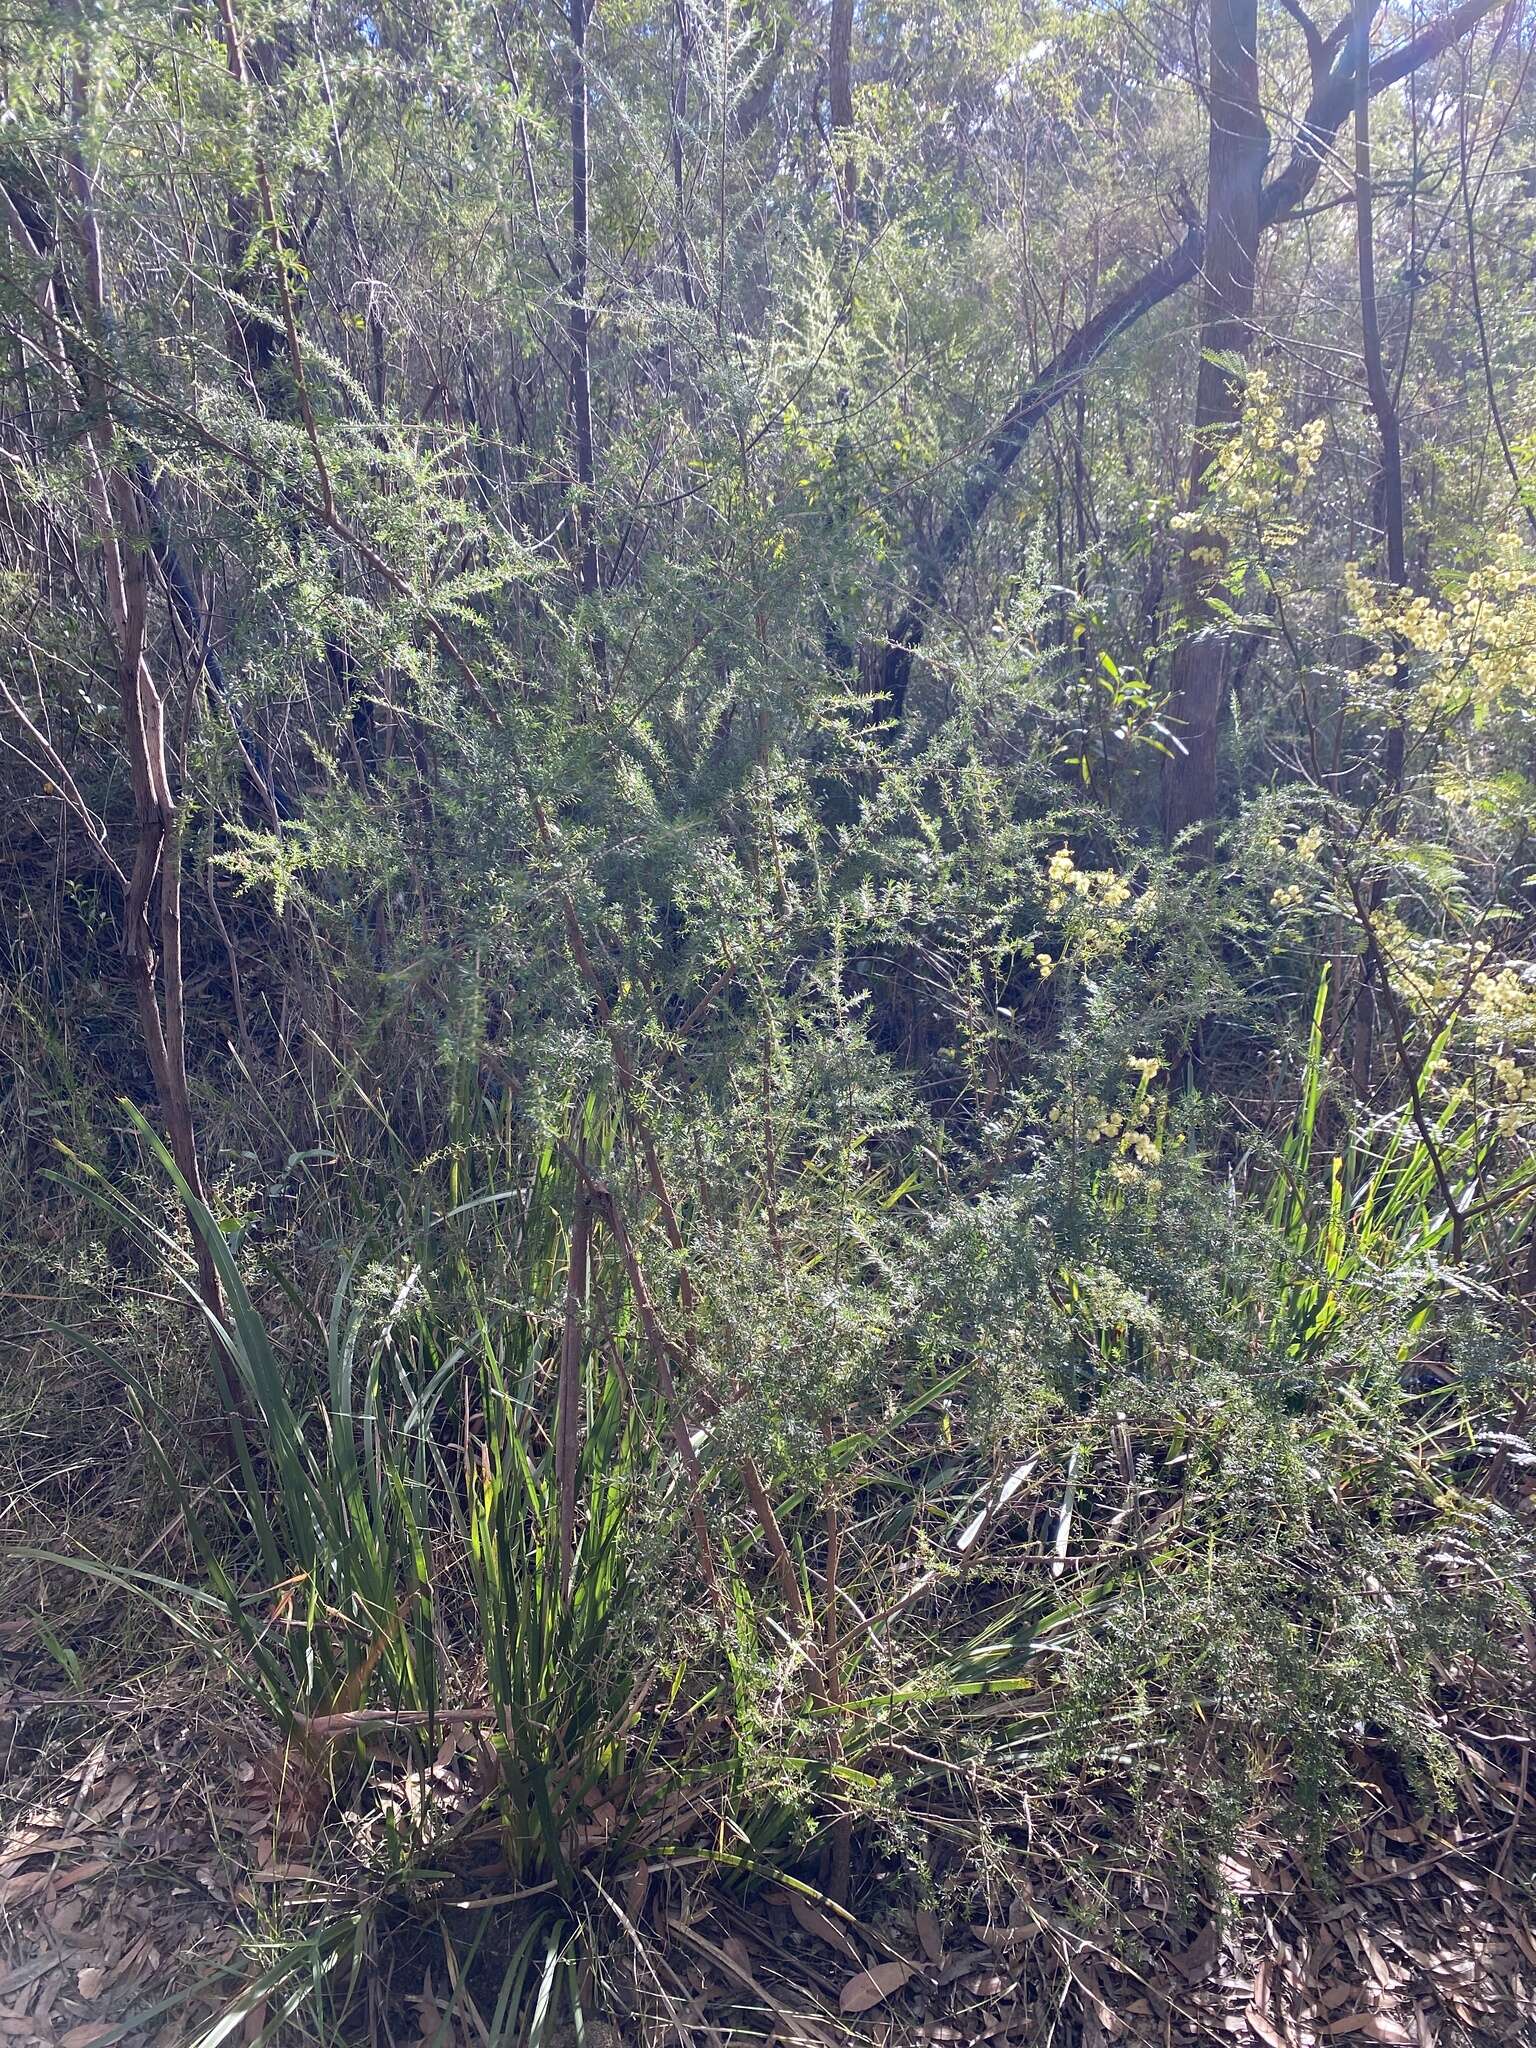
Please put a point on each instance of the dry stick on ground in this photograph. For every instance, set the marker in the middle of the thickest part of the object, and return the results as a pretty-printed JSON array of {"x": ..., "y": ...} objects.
[{"x": 1332, "y": 97}]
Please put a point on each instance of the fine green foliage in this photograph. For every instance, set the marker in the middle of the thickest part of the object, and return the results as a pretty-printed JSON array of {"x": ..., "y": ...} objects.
[{"x": 768, "y": 1005}]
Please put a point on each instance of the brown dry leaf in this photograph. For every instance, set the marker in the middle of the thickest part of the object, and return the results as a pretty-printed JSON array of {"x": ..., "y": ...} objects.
[
  {"x": 88, "y": 1982},
  {"x": 964, "y": 1966},
  {"x": 1109, "y": 2021},
  {"x": 429, "y": 2014},
  {"x": 112, "y": 1799},
  {"x": 823, "y": 1926},
  {"x": 1264, "y": 2029},
  {"x": 22, "y": 1886},
  {"x": 14, "y": 1890},
  {"x": 1380, "y": 1969},
  {"x": 1375, "y": 2026},
  {"x": 41, "y": 1840},
  {"x": 598, "y": 1827},
  {"x": 1241, "y": 1872},
  {"x": 27, "y": 1973},
  {"x": 1198, "y": 1960},
  {"x": 873, "y": 1986},
  {"x": 926, "y": 1923},
  {"x": 87, "y": 2034}
]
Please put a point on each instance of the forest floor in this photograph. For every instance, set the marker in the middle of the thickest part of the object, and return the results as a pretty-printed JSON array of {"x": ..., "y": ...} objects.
[{"x": 144, "y": 1853}]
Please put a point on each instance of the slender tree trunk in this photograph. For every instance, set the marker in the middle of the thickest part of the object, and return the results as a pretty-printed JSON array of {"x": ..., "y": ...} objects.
[
  {"x": 151, "y": 951},
  {"x": 1239, "y": 147},
  {"x": 840, "y": 107},
  {"x": 1388, "y": 496},
  {"x": 686, "y": 37},
  {"x": 1377, "y": 383},
  {"x": 1389, "y": 488},
  {"x": 589, "y": 565}
]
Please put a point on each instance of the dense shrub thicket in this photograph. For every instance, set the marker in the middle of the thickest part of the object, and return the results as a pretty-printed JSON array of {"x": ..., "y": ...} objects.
[{"x": 770, "y": 1013}]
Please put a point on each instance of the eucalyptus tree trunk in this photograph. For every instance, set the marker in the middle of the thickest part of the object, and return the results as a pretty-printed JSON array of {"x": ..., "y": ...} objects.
[
  {"x": 589, "y": 567},
  {"x": 1389, "y": 481},
  {"x": 1388, "y": 500},
  {"x": 840, "y": 107},
  {"x": 687, "y": 37},
  {"x": 1378, "y": 386},
  {"x": 1239, "y": 148}
]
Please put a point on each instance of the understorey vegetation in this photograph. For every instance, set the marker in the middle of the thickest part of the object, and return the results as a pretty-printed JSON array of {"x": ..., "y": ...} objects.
[{"x": 768, "y": 1036}]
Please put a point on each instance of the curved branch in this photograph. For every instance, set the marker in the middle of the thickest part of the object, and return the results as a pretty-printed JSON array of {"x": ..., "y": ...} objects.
[{"x": 1331, "y": 102}]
